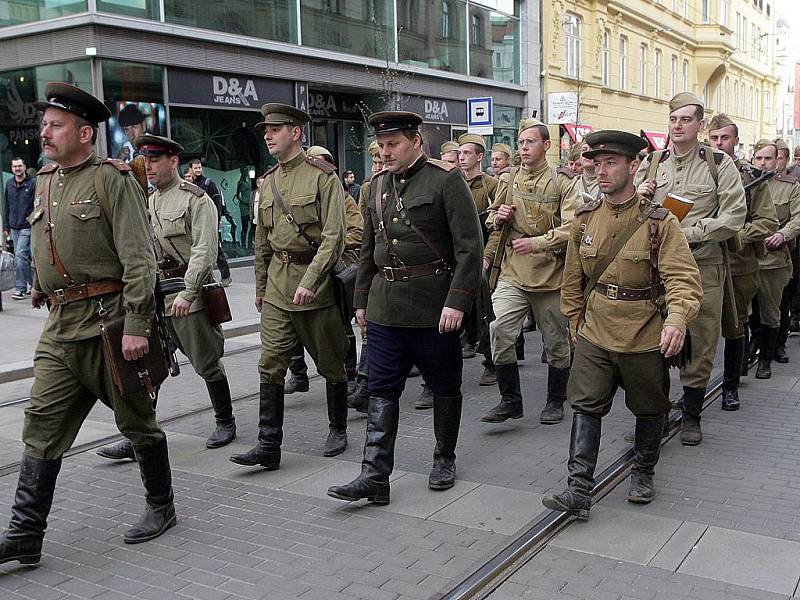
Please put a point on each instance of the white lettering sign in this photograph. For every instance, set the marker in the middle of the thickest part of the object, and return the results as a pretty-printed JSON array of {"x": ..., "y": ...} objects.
[
  {"x": 436, "y": 111},
  {"x": 230, "y": 91}
]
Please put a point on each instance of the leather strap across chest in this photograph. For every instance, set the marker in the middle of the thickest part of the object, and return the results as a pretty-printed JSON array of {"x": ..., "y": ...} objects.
[{"x": 52, "y": 254}]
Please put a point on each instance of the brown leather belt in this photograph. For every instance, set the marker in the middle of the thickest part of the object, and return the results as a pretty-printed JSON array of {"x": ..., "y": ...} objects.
[
  {"x": 176, "y": 272},
  {"x": 84, "y": 291},
  {"x": 298, "y": 258},
  {"x": 405, "y": 273},
  {"x": 616, "y": 292}
]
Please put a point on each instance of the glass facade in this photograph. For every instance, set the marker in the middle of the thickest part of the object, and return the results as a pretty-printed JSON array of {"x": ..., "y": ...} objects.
[
  {"x": 144, "y": 9},
  {"x": 360, "y": 27},
  {"x": 15, "y": 12},
  {"x": 432, "y": 34},
  {"x": 267, "y": 19}
]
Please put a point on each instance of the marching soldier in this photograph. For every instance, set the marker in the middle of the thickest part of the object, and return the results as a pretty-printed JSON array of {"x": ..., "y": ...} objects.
[
  {"x": 709, "y": 179},
  {"x": 536, "y": 202},
  {"x": 630, "y": 289},
  {"x": 300, "y": 238},
  {"x": 94, "y": 261},
  {"x": 449, "y": 152},
  {"x": 587, "y": 181},
  {"x": 184, "y": 219},
  {"x": 760, "y": 223},
  {"x": 776, "y": 265},
  {"x": 418, "y": 275},
  {"x": 574, "y": 160},
  {"x": 501, "y": 159}
]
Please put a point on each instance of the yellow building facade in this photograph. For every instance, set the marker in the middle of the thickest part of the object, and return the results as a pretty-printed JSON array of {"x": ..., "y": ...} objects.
[{"x": 617, "y": 63}]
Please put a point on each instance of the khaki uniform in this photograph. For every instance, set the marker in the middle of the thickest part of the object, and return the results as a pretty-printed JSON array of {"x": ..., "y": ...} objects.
[
  {"x": 96, "y": 241},
  {"x": 545, "y": 201},
  {"x": 184, "y": 220},
  {"x": 587, "y": 185},
  {"x": 718, "y": 214},
  {"x": 313, "y": 194},
  {"x": 776, "y": 265},
  {"x": 354, "y": 230},
  {"x": 604, "y": 358}
]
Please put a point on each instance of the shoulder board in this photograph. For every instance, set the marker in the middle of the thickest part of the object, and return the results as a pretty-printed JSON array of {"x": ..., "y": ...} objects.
[
  {"x": 588, "y": 206},
  {"x": 659, "y": 213},
  {"x": 119, "y": 165},
  {"x": 190, "y": 187},
  {"x": 717, "y": 154},
  {"x": 444, "y": 166},
  {"x": 786, "y": 178},
  {"x": 48, "y": 168},
  {"x": 322, "y": 165},
  {"x": 566, "y": 171},
  {"x": 664, "y": 155}
]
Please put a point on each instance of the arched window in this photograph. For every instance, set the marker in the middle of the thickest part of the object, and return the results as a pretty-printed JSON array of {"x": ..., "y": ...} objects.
[{"x": 572, "y": 36}]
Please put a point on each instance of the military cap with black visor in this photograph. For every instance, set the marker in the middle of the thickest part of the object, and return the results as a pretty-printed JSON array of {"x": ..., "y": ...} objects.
[
  {"x": 612, "y": 141},
  {"x": 74, "y": 100},
  {"x": 156, "y": 145},
  {"x": 276, "y": 113},
  {"x": 391, "y": 121}
]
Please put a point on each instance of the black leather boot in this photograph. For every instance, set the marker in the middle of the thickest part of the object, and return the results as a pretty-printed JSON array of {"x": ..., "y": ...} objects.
[
  {"x": 780, "y": 356},
  {"x": 446, "y": 422},
  {"x": 519, "y": 347},
  {"x": 584, "y": 446},
  {"x": 745, "y": 367},
  {"x": 734, "y": 351},
  {"x": 220, "y": 394},
  {"x": 120, "y": 451},
  {"x": 646, "y": 449},
  {"x": 553, "y": 410},
  {"x": 425, "y": 399},
  {"x": 489, "y": 375},
  {"x": 336, "y": 397},
  {"x": 22, "y": 541},
  {"x": 691, "y": 434},
  {"x": 157, "y": 479},
  {"x": 378, "y": 462},
  {"x": 267, "y": 452},
  {"x": 351, "y": 363},
  {"x": 298, "y": 372},
  {"x": 766, "y": 352},
  {"x": 359, "y": 399},
  {"x": 510, "y": 406}
]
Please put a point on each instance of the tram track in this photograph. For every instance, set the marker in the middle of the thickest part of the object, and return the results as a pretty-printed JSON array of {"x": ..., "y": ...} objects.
[{"x": 490, "y": 575}]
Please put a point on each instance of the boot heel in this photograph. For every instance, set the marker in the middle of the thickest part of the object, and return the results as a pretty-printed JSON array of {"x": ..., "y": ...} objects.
[
  {"x": 30, "y": 560},
  {"x": 379, "y": 500}
]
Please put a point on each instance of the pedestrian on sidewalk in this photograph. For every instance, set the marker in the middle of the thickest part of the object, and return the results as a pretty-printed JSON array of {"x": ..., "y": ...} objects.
[
  {"x": 184, "y": 221},
  {"x": 418, "y": 274},
  {"x": 209, "y": 187},
  {"x": 19, "y": 192},
  {"x": 104, "y": 255},
  {"x": 630, "y": 289},
  {"x": 300, "y": 238}
]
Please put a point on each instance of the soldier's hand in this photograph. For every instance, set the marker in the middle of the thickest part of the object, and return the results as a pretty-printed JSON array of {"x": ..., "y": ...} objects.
[
  {"x": 303, "y": 296},
  {"x": 671, "y": 341},
  {"x": 38, "y": 299},
  {"x": 450, "y": 319},
  {"x": 486, "y": 263},
  {"x": 361, "y": 317},
  {"x": 523, "y": 245},
  {"x": 259, "y": 301},
  {"x": 180, "y": 307},
  {"x": 504, "y": 212},
  {"x": 134, "y": 347},
  {"x": 647, "y": 188},
  {"x": 775, "y": 241}
]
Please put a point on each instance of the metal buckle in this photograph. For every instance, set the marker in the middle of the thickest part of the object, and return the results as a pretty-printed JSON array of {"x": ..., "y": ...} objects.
[
  {"x": 611, "y": 291},
  {"x": 388, "y": 273},
  {"x": 284, "y": 255},
  {"x": 60, "y": 294},
  {"x": 289, "y": 217}
]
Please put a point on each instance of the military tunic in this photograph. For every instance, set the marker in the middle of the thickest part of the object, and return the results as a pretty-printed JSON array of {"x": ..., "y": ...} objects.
[
  {"x": 314, "y": 196},
  {"x": 587, "y": 185},
  {"x": 718, "y": 213},
  {"x": 618, "y": 340},
  {"x": 354, "y": 231},
  {"x": 97, "y": 240},
  {"x": 184, "y": 220}
]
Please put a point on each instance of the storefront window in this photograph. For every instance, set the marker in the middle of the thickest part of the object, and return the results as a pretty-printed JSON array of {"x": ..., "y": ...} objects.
[
  {"x": 359, "y": 27},
  {"x": 14, "y": 12},
  {"x": 493, "y": 45},
  {"x": 432, "y": 34},
  {"x": 144, "y": 9},
  {"x": 267, "y": 19}
]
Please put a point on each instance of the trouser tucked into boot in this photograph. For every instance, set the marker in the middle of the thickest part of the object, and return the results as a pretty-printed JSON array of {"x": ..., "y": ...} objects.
[
  {"x": 225, "y": 432},
  {"x": 267, "y": 452},
  {"x": 510, "y": 406},
  {"x": 734, "y": 353},
  {"x": 446, "y": 423},
  {"x": 157, "y": 479},
  {"x": 336, "y": 397},
  {"x": 22, "y": 540},
  {"x": 691, "y": 434},
  {"x": 298, "y": 371},
  {"x": 553, "y": 410},
  {"x": 359, "y": 399},
  {"x": 646, "y": 449},
  {"x": 767, "y": 342}
]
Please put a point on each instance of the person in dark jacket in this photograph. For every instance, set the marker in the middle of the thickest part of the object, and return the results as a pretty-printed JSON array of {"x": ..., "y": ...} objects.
[
  {"x": 19, "y": 193},
  {"x": 209, "y": 187}
]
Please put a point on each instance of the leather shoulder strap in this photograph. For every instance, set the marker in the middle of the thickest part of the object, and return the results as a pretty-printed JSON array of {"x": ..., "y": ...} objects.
[
  {"x": 652, "y": 166},
  {"x": 52, "y": 254},
  {"x": 289, "y": 217}
]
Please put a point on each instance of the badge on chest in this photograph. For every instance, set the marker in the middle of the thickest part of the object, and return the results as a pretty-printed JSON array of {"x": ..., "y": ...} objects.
[{"x": 587, "y": 240}]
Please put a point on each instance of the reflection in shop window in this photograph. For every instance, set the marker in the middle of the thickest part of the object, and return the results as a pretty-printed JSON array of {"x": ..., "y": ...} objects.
[
  {"x": 493, "y": 53},
  {"x": 438, "y": 40},
  {"x": 14, "y": 12},
  {"x": 359, "y": 27},
  {"x": 144, "y": 9},
  {"x": 266, "y": 19}
]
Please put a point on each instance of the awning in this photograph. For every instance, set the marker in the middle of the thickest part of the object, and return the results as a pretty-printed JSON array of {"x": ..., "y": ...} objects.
[
  {"x": 656, "y": 139},
  {"x": 578, "y": 132}
]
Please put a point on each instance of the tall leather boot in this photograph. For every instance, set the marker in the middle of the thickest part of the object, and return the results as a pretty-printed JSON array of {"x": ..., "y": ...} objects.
[
  {"x": 446, "y": 422},
  {"x": 121, "y": 451},
  {"x": 298, "y": 372},
  {"x": 351, "y": 363},
  {"x": 553, "y": 410},
  {"x": 691, "y": 434},
  {"x": 745, "y": 368},
  {"x": 22, "y": 541},
  {"x": 425, "y": 399},
  {"x": 359, "y": 399},
  {"x": 220, "y": 394},
  {"x": 768, "y": 341},
  {"x": 378, "y": 462},
  {"x": 157, "y": 479},
  {"x": 510, "y": 405},
  {"x": 646, "y": 449},
  {"x": 734, "y": 352},
  {"x": 584, "y": 446},
  {"x": 267, "y": 452},
  {"x": 519, "y": 347},
  {"x": 336, "y": 396}
]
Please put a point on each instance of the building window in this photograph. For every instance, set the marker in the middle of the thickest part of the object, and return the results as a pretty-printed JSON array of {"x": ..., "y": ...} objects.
[
  {"x": 476, "y": 31},
  {"x": 685, "y": 75},
  {"x": 657, "y": 73},
  {"x": 445, "y": 19},
  {"x": 725, "y": 91},
  {"x": 704, "y": 16},
  {"x": 606, "y": 55},
  {"x": 495, "y": 54},
  {"x": 623, "y": 62},
  {"x": 752, "y": 103},
  {"x": 643, "y": 69},
  {"x": 266, "y": 19},
  {"x": 735, "y": 98},
  {"x": 572, "y": 35},
  {"x": 439, "y": 38},
  {"x": 685, "y": 9},
  {"x": 767, "y": 105},
  {"x": 143, "y": 9},
  {"x": 724, "y": 9},
  {"x": 13, "y": 12},
  {"x": 358, "y": 27},
  {"x": 743, "y": 45},
  {"x": 673, "y": 76}
]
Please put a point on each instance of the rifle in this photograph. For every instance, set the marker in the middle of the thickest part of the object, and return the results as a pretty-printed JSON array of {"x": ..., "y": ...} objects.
[
  {"x": 765, "y": 176},
  {"x": 497, "y": 260}
]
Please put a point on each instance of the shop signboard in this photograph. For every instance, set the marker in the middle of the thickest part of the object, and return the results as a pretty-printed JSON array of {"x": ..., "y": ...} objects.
[
  {"x": 437, "y": 110},
  {"x": 562, "y": 107},
  {"x": 226, "y": 90},
  {"x": 323, "y": 105}
]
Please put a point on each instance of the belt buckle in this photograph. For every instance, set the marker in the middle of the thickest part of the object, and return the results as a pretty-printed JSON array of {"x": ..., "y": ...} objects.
[
  {"x": 61, "y": 295},
  {"x": 388, "y": 273},
  {"x": 611, "y": 291},
  {"x": 284, "y": 256}
]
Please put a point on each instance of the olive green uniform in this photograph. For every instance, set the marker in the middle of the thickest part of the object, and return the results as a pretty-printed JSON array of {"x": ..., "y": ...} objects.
[
  {"x": 313, "y": 195},
  {"x": 604, "y": 358},
  {"x": 184, "y": 219},
  {"x": 97, "y": 240},
  {"x": 718, "y": 213},
  {"x": 587, "y": 185}
]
